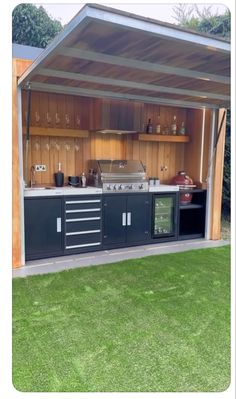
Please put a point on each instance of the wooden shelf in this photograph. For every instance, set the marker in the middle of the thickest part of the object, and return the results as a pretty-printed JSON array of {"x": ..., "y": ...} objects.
[
  {"x": 191, "y": 206},
  {"x": 48, "y": 131},
  {"x": 162, "y": 137}
]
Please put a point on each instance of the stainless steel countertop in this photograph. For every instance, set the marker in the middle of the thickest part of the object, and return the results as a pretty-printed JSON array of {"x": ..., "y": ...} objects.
[
  {"x": 68, "y": 190},
  {"x": 57, "y": 191}
]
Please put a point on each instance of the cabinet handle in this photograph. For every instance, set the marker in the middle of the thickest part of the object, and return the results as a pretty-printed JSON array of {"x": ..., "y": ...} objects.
[
  {"x": 129, "y": 219},
  {"x": 123, "y": 219},
  {"x": 58, "y": 225}
]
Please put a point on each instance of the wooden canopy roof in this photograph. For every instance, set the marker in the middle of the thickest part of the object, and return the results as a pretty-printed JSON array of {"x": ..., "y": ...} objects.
[{"x": 104, "y": 52}]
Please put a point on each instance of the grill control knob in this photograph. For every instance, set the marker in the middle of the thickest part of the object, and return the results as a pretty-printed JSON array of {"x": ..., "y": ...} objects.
[
  {"x": 120, "y": 187},
  {"x": 108, "y": 187},
  {"x": 130, "y": 186},
  {"x": 141, "y": 186},
  {"x": 114, "y": 187}
]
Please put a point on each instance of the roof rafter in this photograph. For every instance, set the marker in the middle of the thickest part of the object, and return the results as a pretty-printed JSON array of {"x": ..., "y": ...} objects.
[
  {"x": 122, "y": 96},
  {"x": 138, "y": 64},
  {"x": 129, "y": 84}
]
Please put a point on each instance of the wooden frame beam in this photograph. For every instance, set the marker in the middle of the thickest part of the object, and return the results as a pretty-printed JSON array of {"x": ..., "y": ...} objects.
[
  {"x": 129, "y": 84},
  {"x": 138, "y": 64},
  {"x": 37, "y": 86},
  {"x": 218, "y": 179}
]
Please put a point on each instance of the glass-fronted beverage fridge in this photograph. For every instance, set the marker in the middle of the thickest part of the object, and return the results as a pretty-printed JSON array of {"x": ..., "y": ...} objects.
[{"x": 164, "y": 220}]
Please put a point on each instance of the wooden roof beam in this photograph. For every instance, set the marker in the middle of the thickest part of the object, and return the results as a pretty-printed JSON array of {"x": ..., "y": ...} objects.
[
  {"x": 38, "y": 86},
  {"x": 129, "y": 84},
  {"x": 142, "y": 65}
]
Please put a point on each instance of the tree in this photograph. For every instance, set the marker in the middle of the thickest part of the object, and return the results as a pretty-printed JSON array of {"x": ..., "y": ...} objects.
[
  {"x": 205, "y": 21},
  {"x": 32, "y": 26}
]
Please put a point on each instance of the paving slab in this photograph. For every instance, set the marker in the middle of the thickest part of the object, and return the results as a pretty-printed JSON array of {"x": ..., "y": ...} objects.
[{"x": 57, "y": 264}]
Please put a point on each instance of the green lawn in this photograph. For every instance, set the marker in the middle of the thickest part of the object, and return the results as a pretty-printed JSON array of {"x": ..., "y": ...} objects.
[{"x": 160, "y": 323}]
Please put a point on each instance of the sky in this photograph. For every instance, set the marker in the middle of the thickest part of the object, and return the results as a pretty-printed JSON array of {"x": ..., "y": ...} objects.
[{"x": 163, "y": 12}]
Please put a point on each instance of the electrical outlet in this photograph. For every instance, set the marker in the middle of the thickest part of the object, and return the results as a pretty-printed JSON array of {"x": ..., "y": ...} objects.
[
  {"x": 40, "y": 168},
  {"x": 164, "y": 168}
]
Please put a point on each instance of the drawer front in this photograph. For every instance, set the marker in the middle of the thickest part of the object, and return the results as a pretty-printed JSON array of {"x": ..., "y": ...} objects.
[
  {"x": 83, "y": 225},
  {"x": 80, "y": 215},
  {"x": 83, "y": 203},
  {"x": 83, "y": 240}
]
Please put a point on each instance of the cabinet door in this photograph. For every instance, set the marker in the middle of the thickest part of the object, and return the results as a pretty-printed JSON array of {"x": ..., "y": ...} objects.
[
  {"x": 164, "y": 215},
  {"x": 138, "y": 218},
  {"x": 114, "y": 219},
  {"x": 43, "y": 225}
]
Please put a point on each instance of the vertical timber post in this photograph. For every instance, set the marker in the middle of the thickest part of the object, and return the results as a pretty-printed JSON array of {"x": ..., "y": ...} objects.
[
  {"x": 19, "y": 66},
  {"x": 217, "y": 183}
]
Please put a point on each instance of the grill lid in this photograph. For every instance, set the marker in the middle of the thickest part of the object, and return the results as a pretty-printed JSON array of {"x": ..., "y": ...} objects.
[{"x": 121, "y": 167}]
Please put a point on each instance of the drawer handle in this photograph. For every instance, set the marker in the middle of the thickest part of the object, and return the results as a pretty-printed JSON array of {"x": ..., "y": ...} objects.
[
  {"x": 82, "y": 245},
  {"x": 129, "y": 219},
  {"x": 83, "y": 210},
  {"x": 82, "y": 219},
  {"x": 83, "y": 202},
  {"x": 58, "y": 225},
  {"x": 83, "y": 232},
  {"x": 123, "y": 219}
]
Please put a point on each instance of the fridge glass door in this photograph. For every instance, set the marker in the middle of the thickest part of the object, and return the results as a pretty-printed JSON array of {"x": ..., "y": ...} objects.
[{"x": 164, "y": 207}]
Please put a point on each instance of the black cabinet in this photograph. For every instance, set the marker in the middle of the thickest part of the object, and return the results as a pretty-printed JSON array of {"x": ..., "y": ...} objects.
[
  {"x": 83, "y": 223},
  {"x": 126, "y": 219},
  {"x": 43, "y": 227},
  {"x": 192, "y": 216}
]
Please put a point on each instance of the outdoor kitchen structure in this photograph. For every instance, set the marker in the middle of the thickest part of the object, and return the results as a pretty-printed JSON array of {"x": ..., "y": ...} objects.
[{"x": 115, "y": 107}]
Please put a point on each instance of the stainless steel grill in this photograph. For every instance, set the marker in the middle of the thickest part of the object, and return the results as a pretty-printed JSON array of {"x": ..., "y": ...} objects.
[{"x": 119, "y": 175}]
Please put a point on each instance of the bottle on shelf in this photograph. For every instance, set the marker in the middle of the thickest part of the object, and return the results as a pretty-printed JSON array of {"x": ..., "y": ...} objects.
[
  {"x": 174, "y": 126},
  {"x": 182, "y": 129},
  {"x": 83, "y": 179},
  {"x": 59, "y": 177},
  {"x": 158, "y": 127},
  {"x": 149, "y": 126}
]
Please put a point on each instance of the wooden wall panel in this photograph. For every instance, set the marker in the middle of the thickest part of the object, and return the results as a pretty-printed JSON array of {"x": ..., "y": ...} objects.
[
  {"x": 45, "y": 158},
  {"x": 179, "y": 157},
  {"x": 192, "y": 157},
  {"x": 61, "y": 111},
  {"x": 160, "y": 161},
  {"x": 73, "y": 112}
]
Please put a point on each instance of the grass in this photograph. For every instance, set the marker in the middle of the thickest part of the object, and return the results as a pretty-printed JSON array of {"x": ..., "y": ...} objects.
[{"x": 160, "y": 323}]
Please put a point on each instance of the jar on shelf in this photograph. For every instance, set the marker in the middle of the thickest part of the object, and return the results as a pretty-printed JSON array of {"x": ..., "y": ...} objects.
[
  {"x": 182, "y": 129},
  {"x": 173, "y": 127},
  {"x": 158, "y": 126}
]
